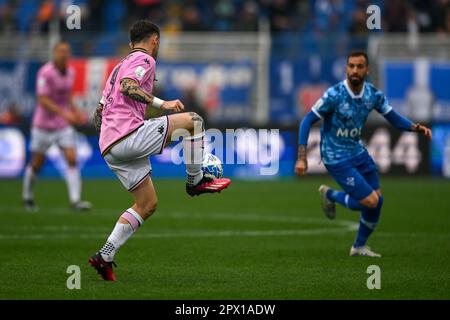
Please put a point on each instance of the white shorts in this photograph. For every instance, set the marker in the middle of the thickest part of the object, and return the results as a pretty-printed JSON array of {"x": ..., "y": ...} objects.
[
  {"x": 42, "y": 140},
  {"x": 129, "y": 160}
]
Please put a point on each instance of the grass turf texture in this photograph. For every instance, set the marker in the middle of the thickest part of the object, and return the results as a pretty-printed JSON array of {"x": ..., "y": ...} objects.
[{"x": 256, "y": 240}]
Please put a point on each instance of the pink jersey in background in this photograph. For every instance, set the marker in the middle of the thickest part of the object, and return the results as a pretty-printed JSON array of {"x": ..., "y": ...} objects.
[
  {"x": 58, "y": 87},
  {"x": 121, "y": 114}
]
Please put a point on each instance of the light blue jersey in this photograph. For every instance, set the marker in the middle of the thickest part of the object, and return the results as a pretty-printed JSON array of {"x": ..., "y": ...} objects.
[{"x": 344, "y": 115}]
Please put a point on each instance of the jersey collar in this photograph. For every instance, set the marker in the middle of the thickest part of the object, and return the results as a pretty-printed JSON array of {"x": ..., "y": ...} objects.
[
  {"x": 350, "y": 92},
  {"x": 61, "y": 72},
  {"x": 139, "y": 49}
]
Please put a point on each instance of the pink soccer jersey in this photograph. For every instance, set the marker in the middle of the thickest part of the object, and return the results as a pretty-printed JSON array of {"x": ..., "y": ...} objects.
[
  {"x": 58, "y": 87},
  {"x": 121, "y": 114}
]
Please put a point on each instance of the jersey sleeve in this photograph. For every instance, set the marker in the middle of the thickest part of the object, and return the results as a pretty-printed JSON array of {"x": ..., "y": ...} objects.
[
  {"x": 43, "y": 83},
  {"x": 325, "y": 105},
  {"x": 140, "y": 69},
  {"x": 382, "y": 103}
]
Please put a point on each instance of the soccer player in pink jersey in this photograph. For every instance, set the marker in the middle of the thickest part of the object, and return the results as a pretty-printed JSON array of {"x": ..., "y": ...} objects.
[
  {"x": 52, "y": 123},
  {"x": 127, "y": 140}
]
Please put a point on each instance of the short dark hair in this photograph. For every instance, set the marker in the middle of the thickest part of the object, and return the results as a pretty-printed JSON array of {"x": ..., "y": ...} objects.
[
  {"x": 60, "y": 42},
  {"x": 142, "y": 30},
  {"x": 358, "y": 54}
]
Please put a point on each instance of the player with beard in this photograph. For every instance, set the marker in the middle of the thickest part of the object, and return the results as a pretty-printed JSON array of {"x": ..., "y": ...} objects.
[
  {"x": 127, "y": 139},
  {"x": 344, "y": 109}
]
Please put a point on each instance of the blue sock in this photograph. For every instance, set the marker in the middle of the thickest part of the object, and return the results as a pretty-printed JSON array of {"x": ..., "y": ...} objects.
[
  {"x": 345, "y": 200},
  {"x": 367, "y": 223}
]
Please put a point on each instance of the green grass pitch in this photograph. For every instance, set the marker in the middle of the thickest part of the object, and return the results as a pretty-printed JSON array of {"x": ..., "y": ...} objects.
[{"x": 256, "y": 240}]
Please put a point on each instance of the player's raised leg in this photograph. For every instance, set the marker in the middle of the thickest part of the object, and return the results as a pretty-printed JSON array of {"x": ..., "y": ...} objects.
[
  {"x": 358, "y": 196},
  {"x": 73, "y": 181},
  {"x": 358, "y": 193},
  {"x": 347, "y": 200},
  {"x": 190, "y": 126},
  {"x": 29, "y": 180},
  {"x": 131, "y": 219}
]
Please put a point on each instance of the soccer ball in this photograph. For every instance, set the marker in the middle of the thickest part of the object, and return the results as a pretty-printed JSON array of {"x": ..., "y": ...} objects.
[{"x": 212, "y": 166}]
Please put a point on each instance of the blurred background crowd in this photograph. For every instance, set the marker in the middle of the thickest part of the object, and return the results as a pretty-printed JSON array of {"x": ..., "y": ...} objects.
[
  {"x": 231, "y": 15},
  {"x": 243, "y": 63}
]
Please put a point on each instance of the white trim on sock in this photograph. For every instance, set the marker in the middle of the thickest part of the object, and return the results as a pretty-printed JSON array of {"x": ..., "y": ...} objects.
[
  {"x": 136, "y": 215},
  {"x": 346, "y": 200},
  {"x": 370, "y": 225}
]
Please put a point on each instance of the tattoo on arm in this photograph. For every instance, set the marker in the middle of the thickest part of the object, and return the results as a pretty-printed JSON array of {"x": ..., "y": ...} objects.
[
  {"x": 301, "y": 155},
  {"x": 98, "y": 117},
  {"x": 131, "y": 89}
]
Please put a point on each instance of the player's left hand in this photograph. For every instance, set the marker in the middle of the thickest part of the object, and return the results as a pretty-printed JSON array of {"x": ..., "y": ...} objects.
[
  {"x": 82, "y": 117},
  {"x": 173, "y": 105},
  {"x": 423, "y": 130}
]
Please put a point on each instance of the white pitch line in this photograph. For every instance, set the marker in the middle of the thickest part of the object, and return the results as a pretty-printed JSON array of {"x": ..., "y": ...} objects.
[
  {"x": 413, "y": 235},
  {"x": 89, "y": 232},
  {"x": 196, "y": 234},
  {"x": 209, "y": 234},
  {"x": 237, "y": 216},
  {"x": 57, "y": 211},
  {"x": 274, "y": 217},
  {"x": 100, "y": 232}
]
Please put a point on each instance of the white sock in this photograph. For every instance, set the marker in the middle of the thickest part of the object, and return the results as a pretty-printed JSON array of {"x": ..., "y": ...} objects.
[
  {"x": 73, "y": 181},
  {"x": 120, "y": 234},
  {"x": 116, "y": 239},
  {"x": 29, "y": 179},
  {"x": 193, "y": 158}
]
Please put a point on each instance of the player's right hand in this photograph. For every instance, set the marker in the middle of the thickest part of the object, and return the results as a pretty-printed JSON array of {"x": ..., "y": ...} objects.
[
  {"x": 301, "y": 166},
  {"x": 173, "y": 105}
]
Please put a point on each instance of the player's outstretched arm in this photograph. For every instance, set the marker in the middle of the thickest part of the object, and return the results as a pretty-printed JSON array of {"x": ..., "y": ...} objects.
[
  {"x": 49, "y": 105},
  {"x": 301, "y": 166},
  {"x": 131, "y": 89},
  {"x": 403, "y": 123}
]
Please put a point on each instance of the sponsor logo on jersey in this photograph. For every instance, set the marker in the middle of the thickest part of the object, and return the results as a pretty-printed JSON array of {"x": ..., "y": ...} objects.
[{"x": 346, "y": 133}]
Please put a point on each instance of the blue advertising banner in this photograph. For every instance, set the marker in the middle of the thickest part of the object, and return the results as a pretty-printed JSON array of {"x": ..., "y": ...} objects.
[
  {"x": 222, "y": 91},
  {"x": 295, "y": 85},
  {"x": 245, "y": 153},
  {"x": 418, "y": 89},
  {"x": 17, "y": 85}
]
